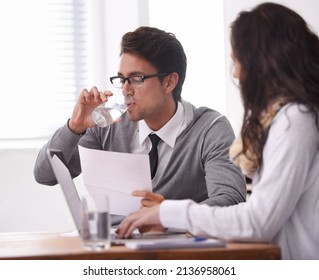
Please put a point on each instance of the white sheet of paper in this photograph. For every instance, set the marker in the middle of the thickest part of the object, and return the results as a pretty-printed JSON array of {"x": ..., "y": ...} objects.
[{"x": 116, "y": 175}]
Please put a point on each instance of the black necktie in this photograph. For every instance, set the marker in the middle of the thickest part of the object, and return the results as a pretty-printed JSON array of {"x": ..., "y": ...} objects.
[{"x": 153, "y": 153}]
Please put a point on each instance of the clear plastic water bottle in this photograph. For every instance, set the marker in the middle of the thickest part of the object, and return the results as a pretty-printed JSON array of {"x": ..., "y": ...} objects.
[{"x": 112, "y": 110}]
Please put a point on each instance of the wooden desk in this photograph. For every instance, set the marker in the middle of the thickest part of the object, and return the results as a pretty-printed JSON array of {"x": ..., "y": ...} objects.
[{"x": 36, "y": 246}]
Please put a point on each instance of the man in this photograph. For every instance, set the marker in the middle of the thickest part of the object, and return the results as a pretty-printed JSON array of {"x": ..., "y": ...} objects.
[{"x": 193, "y": 147}]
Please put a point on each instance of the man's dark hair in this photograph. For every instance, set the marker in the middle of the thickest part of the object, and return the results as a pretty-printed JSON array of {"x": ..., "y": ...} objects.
[{"x": 159, "y": 48}]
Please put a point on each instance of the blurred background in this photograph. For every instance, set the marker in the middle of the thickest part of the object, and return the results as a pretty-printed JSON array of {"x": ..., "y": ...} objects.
[{"x": 51, "y": 49}]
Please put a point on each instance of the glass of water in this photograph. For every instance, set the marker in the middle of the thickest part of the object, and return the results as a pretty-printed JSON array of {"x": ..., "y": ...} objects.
[
  {"x": 96, "y": 226},
  {"x": 112, "y": 110}
]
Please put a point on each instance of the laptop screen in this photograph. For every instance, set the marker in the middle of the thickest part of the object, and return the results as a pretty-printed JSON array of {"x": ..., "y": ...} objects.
[{"x": 65, "y": 180}]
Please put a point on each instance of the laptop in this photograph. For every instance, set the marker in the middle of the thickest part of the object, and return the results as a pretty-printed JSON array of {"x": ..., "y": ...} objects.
[
  {"x": 73, "y": 200},
  {"x": 65, "y": 180}
]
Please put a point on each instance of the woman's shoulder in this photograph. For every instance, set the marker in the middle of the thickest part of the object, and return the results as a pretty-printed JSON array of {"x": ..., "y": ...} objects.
[
  {"x": 295, "y": 119},
  {"x": 295, "y": 114}
]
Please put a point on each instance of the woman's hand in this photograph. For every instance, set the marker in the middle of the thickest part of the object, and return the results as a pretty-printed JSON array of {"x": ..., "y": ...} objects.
[{"x": 143, "y": 219}]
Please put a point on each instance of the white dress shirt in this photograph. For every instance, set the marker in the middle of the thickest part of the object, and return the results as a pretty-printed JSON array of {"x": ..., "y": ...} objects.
[{"x": 141, "y": 143}]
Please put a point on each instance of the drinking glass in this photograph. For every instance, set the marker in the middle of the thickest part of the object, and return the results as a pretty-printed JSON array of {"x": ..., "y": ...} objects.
[
  {"x": 96, "y": 226},
  {"x": 112, "y": 110}
]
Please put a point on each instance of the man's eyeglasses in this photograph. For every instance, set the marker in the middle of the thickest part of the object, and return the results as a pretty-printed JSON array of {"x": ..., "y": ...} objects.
[{"x": 135, "y": 80}]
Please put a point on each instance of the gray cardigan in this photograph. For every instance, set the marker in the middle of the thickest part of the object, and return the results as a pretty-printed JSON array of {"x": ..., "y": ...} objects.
[{"x": 198, "y": 169}]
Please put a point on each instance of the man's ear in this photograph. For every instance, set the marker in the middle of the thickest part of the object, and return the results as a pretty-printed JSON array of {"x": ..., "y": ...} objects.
[{"x": 171, "y": 81}]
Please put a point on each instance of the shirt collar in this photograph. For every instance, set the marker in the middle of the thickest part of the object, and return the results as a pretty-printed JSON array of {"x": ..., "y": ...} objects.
[{"x": 169, "y": 132}]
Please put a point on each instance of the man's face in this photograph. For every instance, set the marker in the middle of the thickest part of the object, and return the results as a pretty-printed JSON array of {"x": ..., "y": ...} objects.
[{"x": 150, "y": 98}]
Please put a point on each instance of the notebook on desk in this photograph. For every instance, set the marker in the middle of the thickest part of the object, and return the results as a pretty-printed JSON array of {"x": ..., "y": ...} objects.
[{"x": 73, "y": 200}]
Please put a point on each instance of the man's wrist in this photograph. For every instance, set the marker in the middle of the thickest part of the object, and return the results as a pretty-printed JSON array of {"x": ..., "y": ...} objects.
[{"x": 74, "y": 131}]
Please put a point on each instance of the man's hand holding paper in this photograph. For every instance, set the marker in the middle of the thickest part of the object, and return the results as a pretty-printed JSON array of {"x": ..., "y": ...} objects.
[{"x": 148, "y": 199}]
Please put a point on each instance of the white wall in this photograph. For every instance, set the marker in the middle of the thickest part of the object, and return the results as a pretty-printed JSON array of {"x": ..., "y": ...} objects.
[
  {"x": 199, "y": 27},
  {"x": 306, "y": 8},
  {"x": 24, "y": 204}
]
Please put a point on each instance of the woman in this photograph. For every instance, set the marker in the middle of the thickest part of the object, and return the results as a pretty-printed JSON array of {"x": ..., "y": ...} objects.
[{"x": 276, "y": 60}]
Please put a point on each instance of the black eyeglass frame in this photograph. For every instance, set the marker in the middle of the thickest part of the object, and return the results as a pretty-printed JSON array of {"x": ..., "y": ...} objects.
[{"x": 143, "y": 78}]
